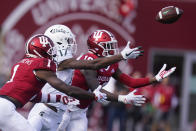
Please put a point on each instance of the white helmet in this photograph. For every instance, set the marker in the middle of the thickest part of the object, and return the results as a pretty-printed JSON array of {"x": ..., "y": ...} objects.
[{"x": 64, "y": 41}]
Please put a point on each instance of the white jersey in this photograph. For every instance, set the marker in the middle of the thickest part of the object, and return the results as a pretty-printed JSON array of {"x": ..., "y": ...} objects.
[{"x": 66, "y": 76}]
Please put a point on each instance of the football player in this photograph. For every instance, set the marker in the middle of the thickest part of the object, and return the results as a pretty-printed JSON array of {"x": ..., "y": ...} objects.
[
  {"x": 102, "y": 43},
  {"x": 48, "y": 116},
  {"x": 28, "y": 76}
]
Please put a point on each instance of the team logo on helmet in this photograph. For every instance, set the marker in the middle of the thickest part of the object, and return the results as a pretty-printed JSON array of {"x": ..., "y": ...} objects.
[
  {"x": 97, "y": 35},
  {"x": 40, "y": 46},
  {"x": 44, "y": 41}
]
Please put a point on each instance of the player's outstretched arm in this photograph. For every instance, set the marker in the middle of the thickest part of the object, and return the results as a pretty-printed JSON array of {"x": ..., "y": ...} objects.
[
  {"x": 130, "y": 98},
  {"x": 126, "y": 53},
  {"x": 132, "y": 82},
  {"x": 140, "y": 82},
  {"x": 75, "y": 92},
  {"x": 89, "y": 64}
]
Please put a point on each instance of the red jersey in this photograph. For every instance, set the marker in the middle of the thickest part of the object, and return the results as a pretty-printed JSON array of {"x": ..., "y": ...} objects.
[
  {"x": 23, "y": 84},
  {"x": 163, "y": 97},
  {"x": 103, "y": 76}
]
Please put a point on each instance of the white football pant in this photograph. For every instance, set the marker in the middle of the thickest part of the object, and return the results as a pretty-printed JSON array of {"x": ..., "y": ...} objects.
[
  {"x": 44, "y": 119},
  {"x": 10, "y": 119},
  {"x": 74, "y": 121}
]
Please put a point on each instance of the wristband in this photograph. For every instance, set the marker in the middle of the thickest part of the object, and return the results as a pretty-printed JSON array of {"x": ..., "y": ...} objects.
[{"x": 121, "y": 98}]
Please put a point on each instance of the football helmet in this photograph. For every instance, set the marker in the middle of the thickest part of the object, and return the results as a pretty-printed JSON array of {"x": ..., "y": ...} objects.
[
  {"x": 64, "y": 41},
  {"x": 40, "y": 46},
  {"x": 102, "y": 43}
]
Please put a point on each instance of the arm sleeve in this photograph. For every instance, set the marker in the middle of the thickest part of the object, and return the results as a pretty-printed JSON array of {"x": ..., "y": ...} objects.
[
  {"x": 132, "y": 82},
  {"x": 47, "y": 98},
  {"x": 54, "y": 98},
  {"x": 46, "y": 64}
]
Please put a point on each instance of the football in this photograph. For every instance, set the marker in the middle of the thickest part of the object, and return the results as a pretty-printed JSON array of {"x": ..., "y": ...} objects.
[{"x": 169, "y": 15}]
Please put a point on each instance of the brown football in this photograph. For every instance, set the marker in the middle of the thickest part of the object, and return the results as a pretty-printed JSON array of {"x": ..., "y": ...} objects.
[{"x": 169, "y": 14}]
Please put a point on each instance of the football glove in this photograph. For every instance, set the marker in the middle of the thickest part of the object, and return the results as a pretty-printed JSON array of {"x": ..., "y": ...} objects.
[
  {"x": 131, "y": 98},
  {"x": 99, "y": 96},
  {"x": 131, "y": 53},
  {"x": 163, "y": 73}
]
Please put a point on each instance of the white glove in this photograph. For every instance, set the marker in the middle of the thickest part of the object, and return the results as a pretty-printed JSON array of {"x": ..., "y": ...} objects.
[
  {"x": 73, "y": 101},
  {"x": 163, "y": 73},
  {"x": 136, "y": 100},
  {"x": 99, "y": 96},
  {"x": 128, "y": 53}
]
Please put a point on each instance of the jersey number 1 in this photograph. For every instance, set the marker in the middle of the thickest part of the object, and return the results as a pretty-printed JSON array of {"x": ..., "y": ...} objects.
[{"x": 14, "y": 73}]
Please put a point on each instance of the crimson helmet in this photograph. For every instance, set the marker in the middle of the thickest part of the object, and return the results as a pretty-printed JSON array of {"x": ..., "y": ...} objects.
[
  {"x": 40, "y": 46},
  {"x": 102, "y": 43}
]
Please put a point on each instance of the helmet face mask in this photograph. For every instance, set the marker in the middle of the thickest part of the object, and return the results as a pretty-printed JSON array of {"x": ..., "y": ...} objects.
[
  {"x": 64, "y": 41},
  {"x": 110, "y": 48},
  {"x": 71, "y": 45},
  {"x": 102, "y": 43},
  {"x": 40, "y": 46}
]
